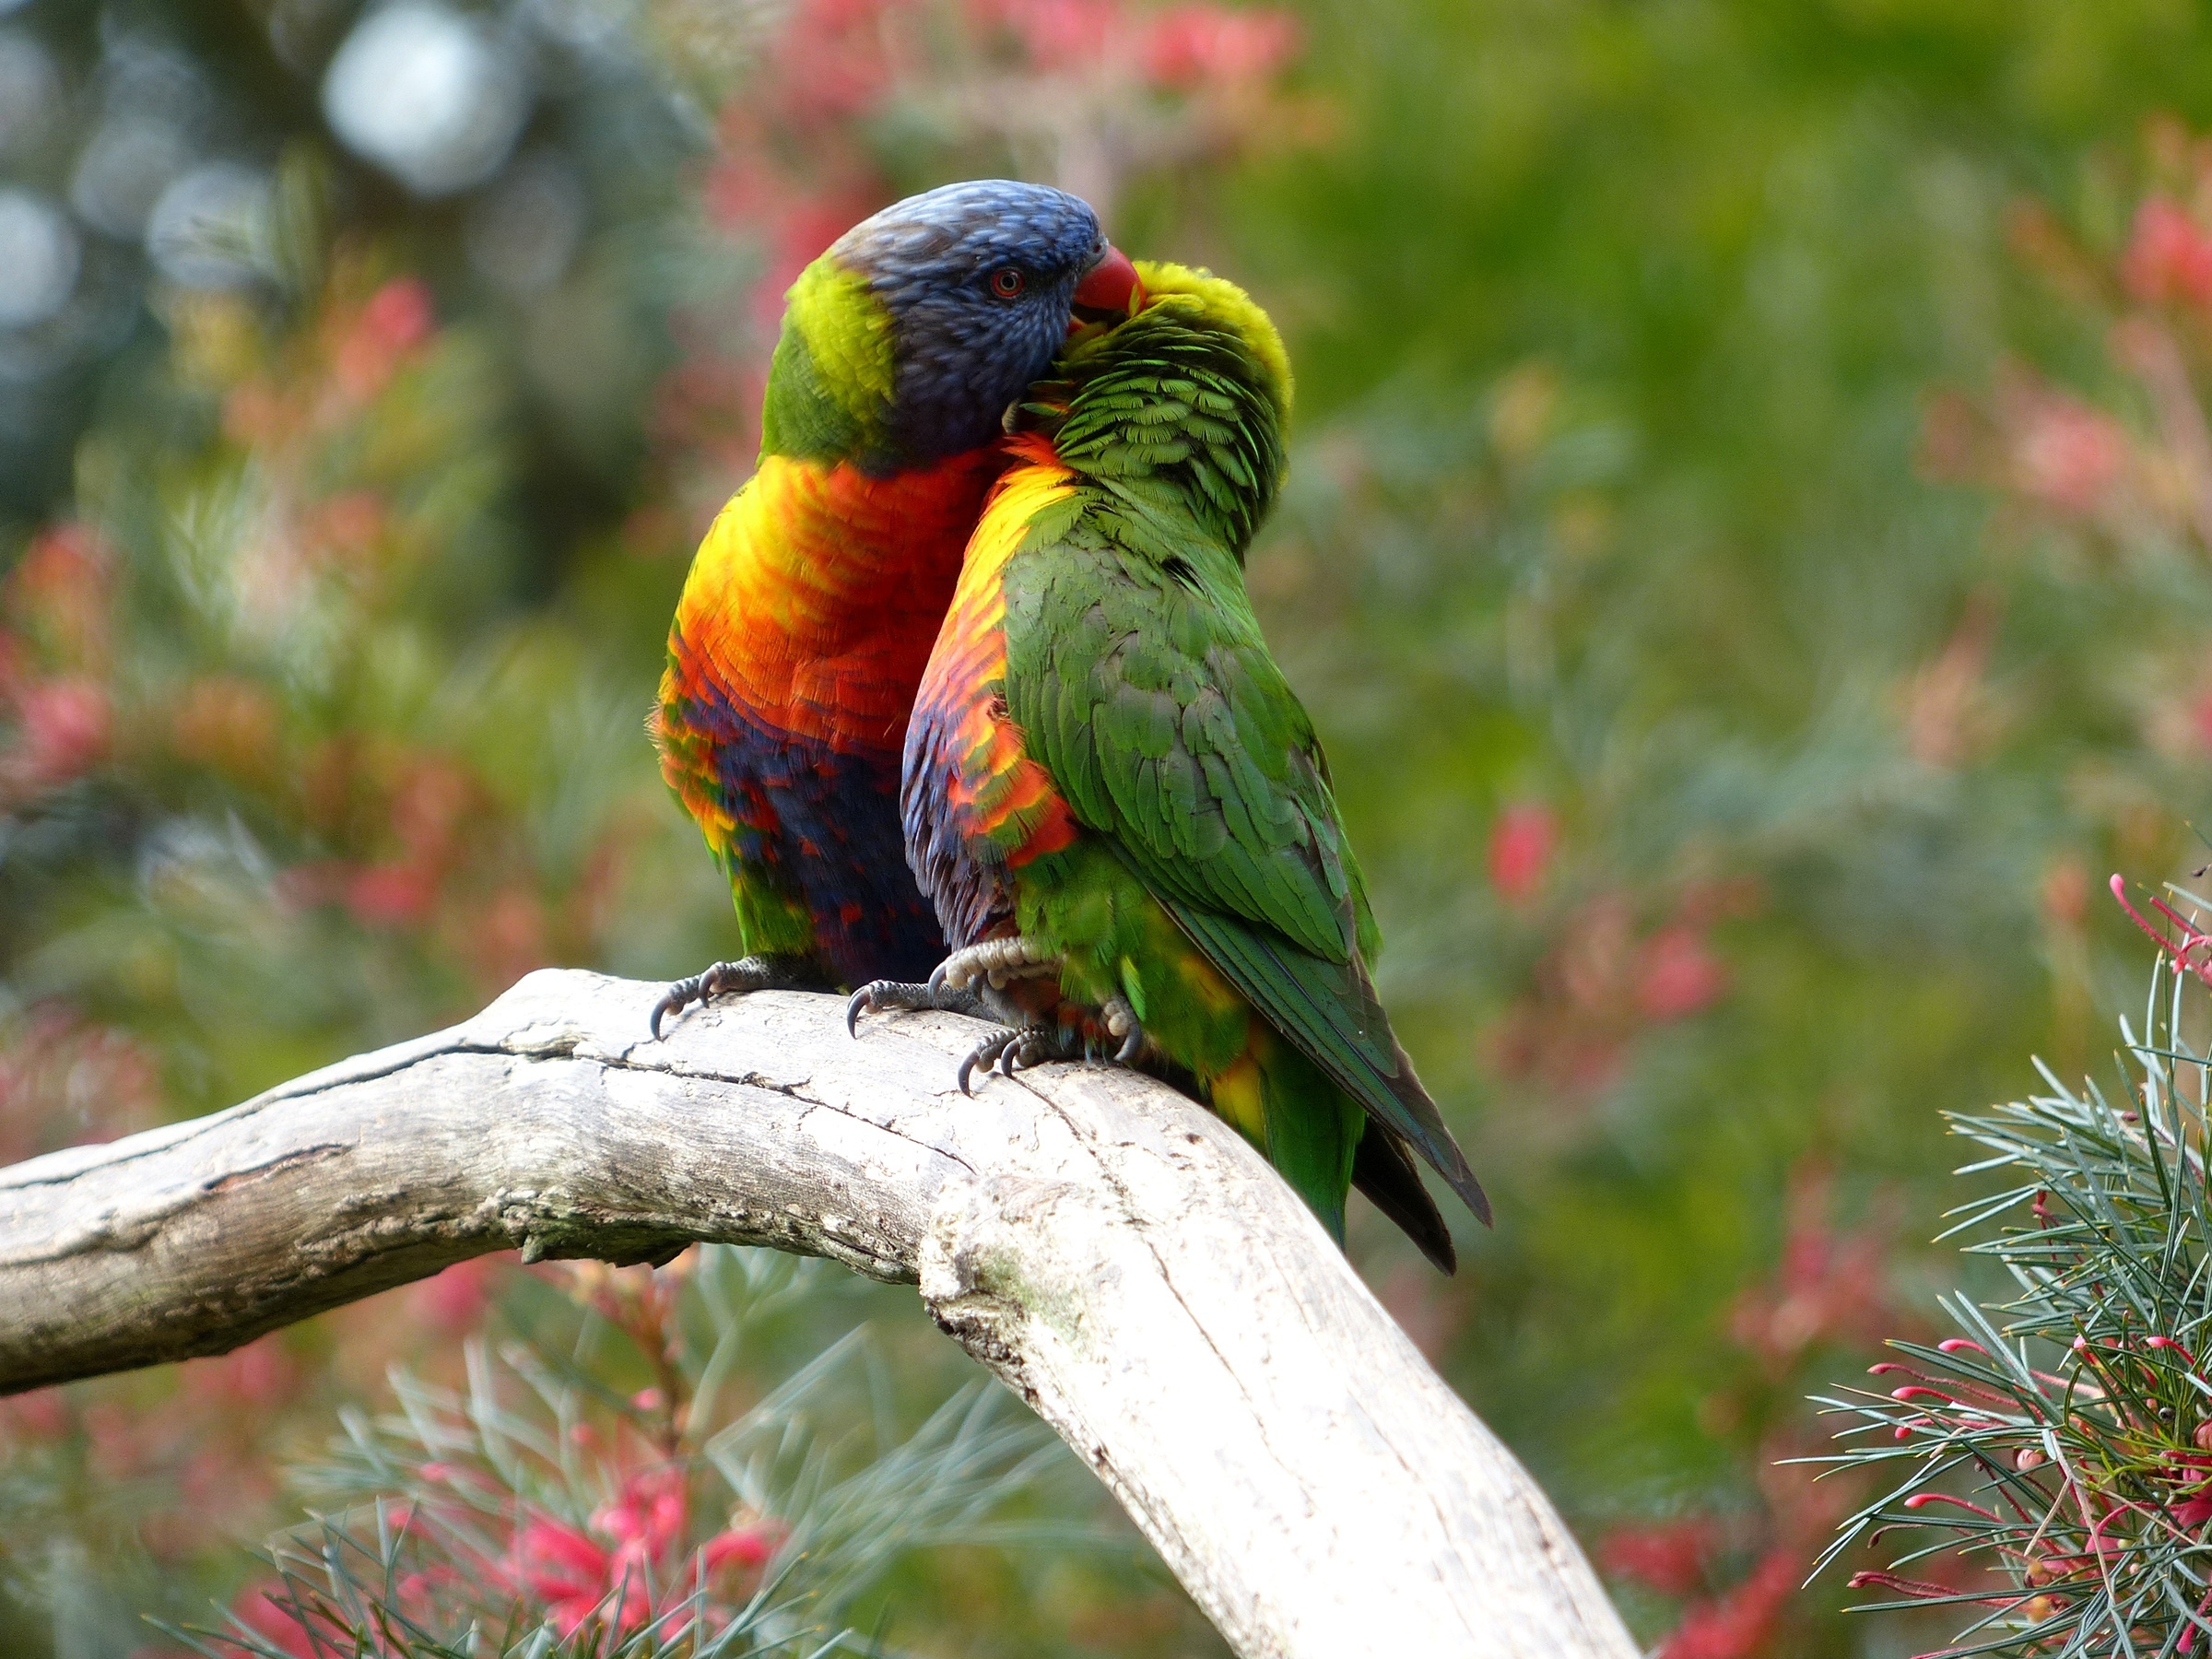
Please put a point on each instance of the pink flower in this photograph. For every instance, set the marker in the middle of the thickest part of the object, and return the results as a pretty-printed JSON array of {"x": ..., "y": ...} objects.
[
  {"x": 432, "y": 807},
  {"x": 39, "y": 1416},
  {"x": 390, "y": 895},
  {"x": 1669, "y": 1557},
  {"x": 60, "y": 592},
  {"x": 1738, "y": 1624},
  {"x": 454, "y": 1300},
  {"x": 1522, "y": 844},
  {"x": 397, "y": 319},
  {"x": 2168, "y": 258},
  {"x": 65, "y": 730},
  {"x": 2067, "y": 454},
  {"x": 258, "y": 1609},
  {"x": 1829, "y": 1286},
  {"x": 347, "y": 524},
  {"x": 1678, "y": 975},
  {"x": 650, "y": 1513},
  {"x": 259, "y": 1375},
  {"x": 400, "y": 314},
  {"x": 739, "y": 1547},
  {"x": 1058, "y": 34},
  {"x": 570, "y": 1577},
  {"x": 1198, "y": 43}
]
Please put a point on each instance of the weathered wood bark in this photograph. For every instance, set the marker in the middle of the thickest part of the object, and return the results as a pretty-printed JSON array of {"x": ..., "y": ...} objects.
[{"x": 1114, "y": 1254}]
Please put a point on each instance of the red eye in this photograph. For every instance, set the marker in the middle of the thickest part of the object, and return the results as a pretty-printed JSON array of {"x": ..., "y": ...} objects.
[{"x": 1008, "y": 282}]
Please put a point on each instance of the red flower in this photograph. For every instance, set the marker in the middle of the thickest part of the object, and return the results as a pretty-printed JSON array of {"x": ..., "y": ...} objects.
[
  {"x": 648, "y": 1514},
  {"x": 1522, "y": 844},
  {"x": 2067, "y": 454},
  {"x": 59, "y": 594},
  {"x": 739, "y": 1547},
  {"x": 397, "y": 319},
  {"x": 2168, "y": 258},
  {"x": 1832, "y": 1284},
  {"x": 399, "y": 314},
  {"x": 66, "y": 728},
  {"x": 390, "y": 895},
  {"x": 259, "y": 1375},
  {"x": 1738, "y": 1624},
  {"x": 1669, "y": 1557},
  {"x": 1678, "y": 975},
  {"x": 572, "y": 1577},
  {"x": 1194, "y": 44}
]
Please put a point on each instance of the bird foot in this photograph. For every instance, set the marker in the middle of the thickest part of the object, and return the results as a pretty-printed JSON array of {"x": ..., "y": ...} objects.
[
  {"x": 1119, "y": 1020},
  {"x": 903, "y": 996},
  {"x": 749, "y": 973},
  {"x": 1006, "y": 1051},
  {"x": 995, "y": 962}
]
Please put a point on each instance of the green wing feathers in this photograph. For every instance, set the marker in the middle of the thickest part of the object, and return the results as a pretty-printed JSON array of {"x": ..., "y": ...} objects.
[
  {"x": 1145, "y": 685},
  {"x": 1137, "y": 673},
  {"x": 1137, "y": 676},
  {"x": 1330, "y": 1010}
]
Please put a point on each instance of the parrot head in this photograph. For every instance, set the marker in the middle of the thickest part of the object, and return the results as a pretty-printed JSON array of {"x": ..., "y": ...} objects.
[{"x": 907, "y": 341}]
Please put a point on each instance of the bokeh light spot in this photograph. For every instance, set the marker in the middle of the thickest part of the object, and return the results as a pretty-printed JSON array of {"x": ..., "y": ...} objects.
[
  {"x": 523, "y": 234},
  {"x": 431, "y": 96},
  {"x": 30, "y": 89},
  {"x": 38, "y": 257},
  {"x": 211, "y": 228}
]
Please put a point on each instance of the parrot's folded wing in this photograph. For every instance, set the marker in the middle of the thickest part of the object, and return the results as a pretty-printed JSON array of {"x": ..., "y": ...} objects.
[
  {"x": 1329, "y": 1009},
  {"x": 1137, "y": 672}
]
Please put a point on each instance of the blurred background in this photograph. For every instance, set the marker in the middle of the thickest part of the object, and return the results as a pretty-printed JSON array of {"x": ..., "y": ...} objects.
[{"x": 1748, "y": 552}]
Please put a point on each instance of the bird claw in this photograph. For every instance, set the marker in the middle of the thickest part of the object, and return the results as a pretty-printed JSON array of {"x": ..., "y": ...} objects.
[
  {"x": 984, "y": 1052},
  {"x": 1119, "y": 1020},
  {"x": 904, "y": 996},
  {"x": 994, "y": 962},
  {"x": 1010, "y": 1050},
  {"x": 748, "y": 974}
]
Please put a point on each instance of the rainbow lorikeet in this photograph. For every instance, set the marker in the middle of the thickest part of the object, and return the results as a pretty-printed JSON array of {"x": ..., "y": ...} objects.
[
  {"x": 1113, "y": 797},
  {"x": 807, "y": 616}
]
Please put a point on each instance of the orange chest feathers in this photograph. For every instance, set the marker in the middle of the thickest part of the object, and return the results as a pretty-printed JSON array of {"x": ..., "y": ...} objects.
[{"x": 815, "y": 598}]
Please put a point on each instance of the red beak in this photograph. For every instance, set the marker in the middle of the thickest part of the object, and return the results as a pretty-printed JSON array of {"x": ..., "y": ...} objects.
[{"x": 1112, "y": 287}]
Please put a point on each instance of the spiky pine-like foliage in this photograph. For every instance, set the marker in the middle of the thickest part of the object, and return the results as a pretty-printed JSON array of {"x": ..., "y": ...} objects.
[
  {"x": 2053, "y": 1462},
  {"x": 545, "y": 1511}
]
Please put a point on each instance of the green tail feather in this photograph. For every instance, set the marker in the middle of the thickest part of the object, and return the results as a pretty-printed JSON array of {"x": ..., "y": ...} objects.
[
  {"x": 1384, "y": 1170},
  {"x": 1313, "y": 1132}
]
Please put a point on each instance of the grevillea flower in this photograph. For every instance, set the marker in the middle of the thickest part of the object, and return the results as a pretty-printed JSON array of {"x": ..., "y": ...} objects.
[
  {"x": 1194, "y": 45},
  {"x": 1679, "y": 974},
  {"x": 1739, "y": 1624},
  {"x": 398, "y": 319},
  {"x": 2067, "y": 455},
  {"x": 630, "y": 1562},
  {"x": 1669, "y": 1557},
  {"x": 2168, "y": 257},
  {"x": 1522, "y": 844},
  {"x": 65, "y": 727},
  {"x": 61, "y": 596}
]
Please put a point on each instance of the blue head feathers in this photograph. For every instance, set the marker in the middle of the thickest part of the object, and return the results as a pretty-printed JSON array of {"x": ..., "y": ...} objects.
[{"x": 979, "y": 279}]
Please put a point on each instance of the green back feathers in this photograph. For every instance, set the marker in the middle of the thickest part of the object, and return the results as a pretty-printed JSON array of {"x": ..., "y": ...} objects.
[
  {"x": 831, "y": 383},
  {"x": 1180, "y": 409}
]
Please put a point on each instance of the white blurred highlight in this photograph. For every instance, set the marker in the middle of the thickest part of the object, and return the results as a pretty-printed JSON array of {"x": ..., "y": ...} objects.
[
  {"x": 427, "y": 93},
  {"x": 38, "y": 257},
  {"x": 212, "y": 227}
]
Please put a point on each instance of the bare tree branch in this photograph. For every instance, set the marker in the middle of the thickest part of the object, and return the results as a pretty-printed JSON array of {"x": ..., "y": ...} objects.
[{"x": 1119, "y": 1257}]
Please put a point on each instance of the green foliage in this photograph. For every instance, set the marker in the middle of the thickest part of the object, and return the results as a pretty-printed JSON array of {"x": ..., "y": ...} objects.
[
  {"x": 1730, "y": 724},
  {"x": 2054, "y": 1458},
  {"x": 537, "y": 1504}
]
